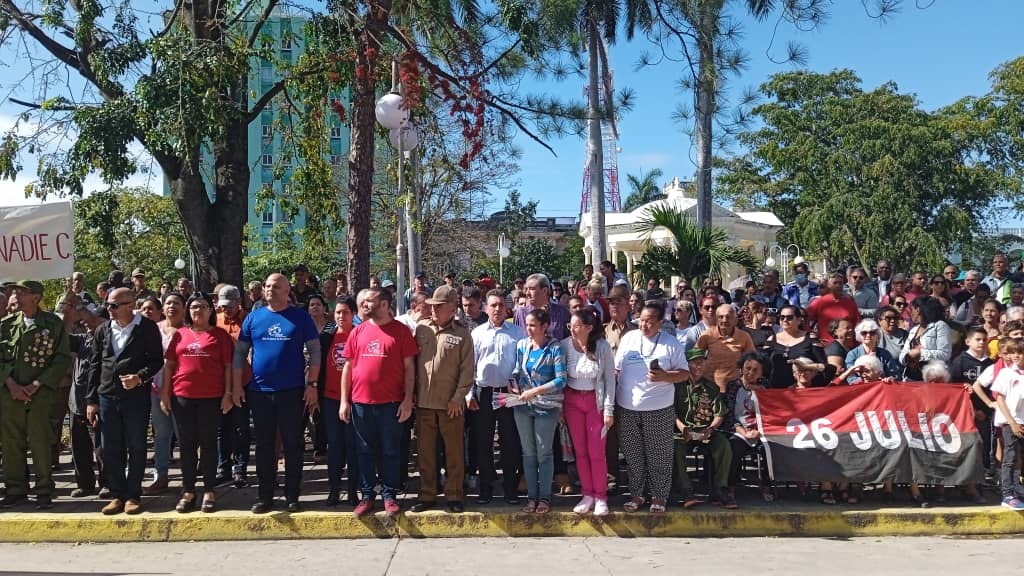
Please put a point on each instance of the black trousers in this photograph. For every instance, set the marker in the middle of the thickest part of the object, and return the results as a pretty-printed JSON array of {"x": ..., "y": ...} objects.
[
  {"x": 234, "y": 440},
  {"x": 196, "y": 421},
  {"x": 85, "y": 453},
  {"x": 511, "y": 452},
  {"x": 273, "y": 411}
]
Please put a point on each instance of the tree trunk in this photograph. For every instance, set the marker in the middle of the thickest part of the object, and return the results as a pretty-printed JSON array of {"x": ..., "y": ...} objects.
[
  {"x": 707, "y": 28},
  {"x": 360, "y": 157},
  {"x": 596, "y": 147}
]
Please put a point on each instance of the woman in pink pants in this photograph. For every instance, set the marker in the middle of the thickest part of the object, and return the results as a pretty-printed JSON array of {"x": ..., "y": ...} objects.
[{"x": 589, "y": 406}]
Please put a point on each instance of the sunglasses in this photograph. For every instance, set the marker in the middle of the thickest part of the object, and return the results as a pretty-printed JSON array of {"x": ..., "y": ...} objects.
[
  {"x": 115, "y": 305},
  {"x": 787, "y": 317},
  {"x": 707, "y": 307},
  {"x": 899, "y": 304},
  {"x": 890, "y": 318},
  {"x": 867, "y": 333}
]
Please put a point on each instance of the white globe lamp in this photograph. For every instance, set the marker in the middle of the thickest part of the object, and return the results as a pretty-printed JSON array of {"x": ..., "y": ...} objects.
[{"x": 389, "y": 111}]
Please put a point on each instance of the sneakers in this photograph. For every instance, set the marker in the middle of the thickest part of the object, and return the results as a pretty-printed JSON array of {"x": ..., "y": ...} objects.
[
  {"x": 1013, "y": 503},
  {"x": 586, "y": 503},
  {"x": 600, "y": 507},
  {"x": 391, "y": 506},
  {"x": 364, "y": 507}
]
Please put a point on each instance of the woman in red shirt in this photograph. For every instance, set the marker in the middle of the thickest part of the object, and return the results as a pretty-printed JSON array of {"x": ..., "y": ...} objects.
[
  {"x": 197, "y": 389},
  {"x": 340, "y": 436}
]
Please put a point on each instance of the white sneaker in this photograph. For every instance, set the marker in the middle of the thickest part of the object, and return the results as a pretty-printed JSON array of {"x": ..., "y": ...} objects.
[
  {"x": 601, "y": 508},
  {"x": 584, "y": 506}
]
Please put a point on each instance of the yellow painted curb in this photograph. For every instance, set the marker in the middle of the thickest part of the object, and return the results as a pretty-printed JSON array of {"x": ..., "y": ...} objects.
[{"x": 231, "y": 525}]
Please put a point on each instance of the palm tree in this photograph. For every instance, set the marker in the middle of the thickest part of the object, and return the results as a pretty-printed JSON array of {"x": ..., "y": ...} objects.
[
  {"x": 644, "y": 188},
  {"x": 696, "y": 253}
]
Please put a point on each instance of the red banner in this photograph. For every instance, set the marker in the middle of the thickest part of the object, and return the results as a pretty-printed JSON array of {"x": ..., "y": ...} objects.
[{"x": 871, "y": 433}]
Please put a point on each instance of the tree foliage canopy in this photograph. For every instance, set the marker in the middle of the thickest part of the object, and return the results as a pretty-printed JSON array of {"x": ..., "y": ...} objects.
[{"x": 863, "y": 175}]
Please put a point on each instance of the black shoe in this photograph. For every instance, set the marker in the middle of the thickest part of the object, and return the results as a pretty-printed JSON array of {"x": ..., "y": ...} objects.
[
  {"x": 10, "y": 501},
  {"x": 512, "y": 500},
  {"x": 484, "y": 498},
  {"x": 333, "y": 498},
  {"x": 82, "y": 492},
  {"x": 44, "y": 502},
  {"x": 104, "y": 493},
  {"x": 456, "y": 507},
  {"x": 294, "y": 506},
  {"x": 353, "y": 499},
  {"x": 422, "y": 506},
  {"x": 262, "y": 507},
  {"x": 240, "y": 480}
]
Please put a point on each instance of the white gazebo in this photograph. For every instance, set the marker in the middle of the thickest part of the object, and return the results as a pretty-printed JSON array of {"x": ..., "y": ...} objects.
[{"x": 753, "y": 230}]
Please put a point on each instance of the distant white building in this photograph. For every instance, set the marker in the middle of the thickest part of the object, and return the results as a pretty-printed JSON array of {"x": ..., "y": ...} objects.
[{"x": 753, "y": 230}]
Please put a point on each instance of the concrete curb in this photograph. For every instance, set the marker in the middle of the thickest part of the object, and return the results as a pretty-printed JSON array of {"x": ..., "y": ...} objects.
[{"x": 235, "y": 525}]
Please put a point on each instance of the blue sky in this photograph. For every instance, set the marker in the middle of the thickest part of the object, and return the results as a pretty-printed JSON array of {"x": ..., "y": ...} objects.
[{"x": 940, "y": 53}]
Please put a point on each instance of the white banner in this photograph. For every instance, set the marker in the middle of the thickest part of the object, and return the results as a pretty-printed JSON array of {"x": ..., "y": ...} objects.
[{"x": 37, "y": 242}]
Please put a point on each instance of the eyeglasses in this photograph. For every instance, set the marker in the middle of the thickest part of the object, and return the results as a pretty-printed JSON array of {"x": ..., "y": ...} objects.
[
  {"x": 787, "y": 317},
  {"x": 867, "y": 333},
  {"x": 707, "y": 307},
  {"x": 890, "y": 318},
  {"x": 899, "y": 304},
  {"x": 115, "y": 305}
]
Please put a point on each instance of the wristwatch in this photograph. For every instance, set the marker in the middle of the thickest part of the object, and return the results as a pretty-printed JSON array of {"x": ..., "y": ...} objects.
[{"x": 313, "y": 384}]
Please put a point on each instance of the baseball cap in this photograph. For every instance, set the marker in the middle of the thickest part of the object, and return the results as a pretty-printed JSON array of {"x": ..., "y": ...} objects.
[
  {"x": 138, "y": 272},
  {"x": 444, "y": 295},
  {"x": 696, "y": 354},
  {"x": 30, "y": 286},
  {"x": 387, "y": 284},
  {"x": 228, "y": 295}
]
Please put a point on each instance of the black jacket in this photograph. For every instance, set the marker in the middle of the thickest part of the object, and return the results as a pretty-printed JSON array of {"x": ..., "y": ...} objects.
[{"x": 143, "y": 354}]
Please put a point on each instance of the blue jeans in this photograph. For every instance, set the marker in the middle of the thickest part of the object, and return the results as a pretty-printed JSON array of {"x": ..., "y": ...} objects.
[
  {"x": 537, "y": 436},
  {"x": 163, "y": 431},
  {"x": 233, "y": 440},
  {"x": 378, "y": 433},
  {"x": 341, "y": 446},
  {"x": 125, "y": 420},
  {"x": 273, "y": 411}
]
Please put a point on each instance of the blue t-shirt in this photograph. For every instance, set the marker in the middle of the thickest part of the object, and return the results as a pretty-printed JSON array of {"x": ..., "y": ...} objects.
[{"x": 278, "y": 340}]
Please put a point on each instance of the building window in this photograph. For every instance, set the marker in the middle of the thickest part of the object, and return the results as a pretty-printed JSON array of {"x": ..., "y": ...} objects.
[
  {"x": 268, "y": 245},
  {"x": 268, "y": 131},
  {"x": 335, "y": 159},
  {"x": 268, "y": 215},
  {"x": 286, "y": 43},
  {"x": 268, "y": 159},
  {"x": 335, "y": 131},
  {"x": 286, "y": 161},
  {"x": 266, "y": 74}
]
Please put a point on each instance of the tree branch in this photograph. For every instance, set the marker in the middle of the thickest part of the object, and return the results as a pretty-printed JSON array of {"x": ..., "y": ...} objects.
[
  {"x": 66, "y": 55},
  {"x": 258, "y": 27},
  {"x": 488, "y": 98},
  {"x": 35, "y": 106}
]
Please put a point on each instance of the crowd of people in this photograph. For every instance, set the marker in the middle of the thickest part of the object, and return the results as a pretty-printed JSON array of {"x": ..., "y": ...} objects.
[{"x": 560, "y": 382}]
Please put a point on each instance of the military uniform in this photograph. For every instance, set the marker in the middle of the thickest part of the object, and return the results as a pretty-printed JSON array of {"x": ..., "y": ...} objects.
[
  {"x": 697, "y": 404},
  {"x": 33, "y": 351}
]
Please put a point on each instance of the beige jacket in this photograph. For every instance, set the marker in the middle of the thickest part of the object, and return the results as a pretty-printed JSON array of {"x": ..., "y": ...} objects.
[{"x": 445, "y": 365}]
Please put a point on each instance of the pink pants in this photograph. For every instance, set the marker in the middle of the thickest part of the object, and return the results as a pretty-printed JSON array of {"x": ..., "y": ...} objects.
[{"x": 585, "y": 422}]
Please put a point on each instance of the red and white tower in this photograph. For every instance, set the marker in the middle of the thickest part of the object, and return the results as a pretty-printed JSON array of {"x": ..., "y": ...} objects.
[{"x": 610, "y": 155}]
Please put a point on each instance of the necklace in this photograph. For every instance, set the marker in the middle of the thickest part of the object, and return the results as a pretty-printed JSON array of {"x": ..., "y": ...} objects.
[{"x": 653, "y": 348}]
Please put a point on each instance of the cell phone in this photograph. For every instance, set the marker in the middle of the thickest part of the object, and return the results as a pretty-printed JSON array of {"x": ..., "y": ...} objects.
[{"x": 655, "y": 365}]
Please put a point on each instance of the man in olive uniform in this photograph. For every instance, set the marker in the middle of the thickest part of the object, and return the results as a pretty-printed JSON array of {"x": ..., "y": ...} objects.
[
  {"x": 34, "y": 357},
  {"x": 700, "y": 409}
]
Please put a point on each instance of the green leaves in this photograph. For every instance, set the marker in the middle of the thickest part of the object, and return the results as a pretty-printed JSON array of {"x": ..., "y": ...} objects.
[
  {"x": 694, "y": 253},
  {"x": 865, "y": 175}
]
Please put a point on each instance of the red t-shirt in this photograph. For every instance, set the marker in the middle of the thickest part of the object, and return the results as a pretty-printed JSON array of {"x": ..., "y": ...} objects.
[
  {"x": 335, "y": 364},
  {"x": 377, "y": 354},
  {"x": 824, "y": 309},
  {"x": 201, "y": 358}
]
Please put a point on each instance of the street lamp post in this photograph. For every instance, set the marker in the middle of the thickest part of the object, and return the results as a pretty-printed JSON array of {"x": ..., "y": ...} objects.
[
  {"x": 784, "y": 256},
  {"x": 503, "y": 252},
  {"x": 179, "y": 263}
]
